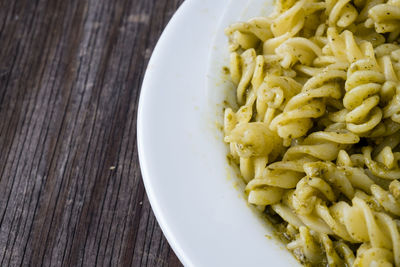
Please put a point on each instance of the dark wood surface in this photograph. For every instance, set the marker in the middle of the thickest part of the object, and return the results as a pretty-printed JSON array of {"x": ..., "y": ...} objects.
[{"x": 71, "y": 192}]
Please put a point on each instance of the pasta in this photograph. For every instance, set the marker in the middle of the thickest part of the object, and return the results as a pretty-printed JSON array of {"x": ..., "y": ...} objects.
[{"x": 316, "y": 128}]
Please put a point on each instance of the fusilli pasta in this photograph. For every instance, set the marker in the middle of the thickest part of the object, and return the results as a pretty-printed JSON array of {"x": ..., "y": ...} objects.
[{"x": 316, "y": 131}]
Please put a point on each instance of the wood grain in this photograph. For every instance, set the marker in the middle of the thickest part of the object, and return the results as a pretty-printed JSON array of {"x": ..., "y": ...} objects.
[{"x": 71, "y": 192}]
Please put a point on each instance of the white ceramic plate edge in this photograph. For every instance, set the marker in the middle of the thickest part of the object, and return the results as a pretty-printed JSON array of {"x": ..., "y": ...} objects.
[
  {"x": 179, "y": 251},
  {"x": 161, "y": 117}
]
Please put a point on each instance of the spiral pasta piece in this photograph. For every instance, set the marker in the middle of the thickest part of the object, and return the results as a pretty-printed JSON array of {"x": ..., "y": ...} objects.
[
  {"x": 248, "y": 34},
  {"x": 278, "y": 176},
  {"x": 288, "y": 23},
  {"x": 385, "y": 164},
  {"x": 242, "y": 115},
  {"x": 391, "y": 91},
  {"x": 287, "y": 173},
  {"x": 295, "y": 119},
  {"x": 297, "y": 49},
  {"x": 319, "y": 146},
  {"x": 368, "y": 256},
  {"x": 305, "y": 247},
  {"x": 362, "y": 96},
  {"x": 386, "y": 18},
  {"x": 273, "y": 95},
  {"x": 377, "y": 228},
  {"x": 344, "y": 178},
  {"x": 387, "y": 55},
  {"x": 332, "y": 256},
  {"x": 344, "y": 48},
  {"x": 253, "y": 144},
  {"x": 341, "y": 13},
  {"x": 242, "y": 68},
  {"x": 324, "y": 182},
  {"x": 345, "y": 252},
  {"x": 384, "y": 200},
  {"x": 365, "y": 6},
  {"x": 253, "y": 139}
]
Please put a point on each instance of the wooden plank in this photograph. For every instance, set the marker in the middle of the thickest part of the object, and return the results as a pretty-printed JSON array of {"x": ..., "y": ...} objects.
[{"x": 71, "y": 192}]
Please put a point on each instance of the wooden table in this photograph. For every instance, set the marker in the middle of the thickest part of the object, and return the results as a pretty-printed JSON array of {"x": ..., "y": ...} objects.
[{"x": 71, "y": 192}]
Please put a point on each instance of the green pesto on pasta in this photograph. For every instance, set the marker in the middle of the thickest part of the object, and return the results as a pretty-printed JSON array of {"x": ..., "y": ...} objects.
[{"x": 316, "y": 134}]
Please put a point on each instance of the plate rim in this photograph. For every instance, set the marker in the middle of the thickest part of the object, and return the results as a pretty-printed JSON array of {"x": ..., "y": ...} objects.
[{"x": 184, "y": 256}]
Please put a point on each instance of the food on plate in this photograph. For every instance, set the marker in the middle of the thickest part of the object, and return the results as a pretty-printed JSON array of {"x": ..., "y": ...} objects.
[{"x": 316, "y": 130}]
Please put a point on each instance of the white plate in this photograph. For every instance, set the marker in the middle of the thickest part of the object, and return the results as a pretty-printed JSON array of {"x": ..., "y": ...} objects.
[{"x": 192, "y": 189}]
